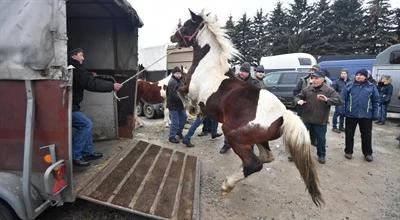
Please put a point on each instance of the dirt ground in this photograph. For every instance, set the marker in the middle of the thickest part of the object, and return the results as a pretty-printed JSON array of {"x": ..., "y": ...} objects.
[{"x": 352, "y": 189}]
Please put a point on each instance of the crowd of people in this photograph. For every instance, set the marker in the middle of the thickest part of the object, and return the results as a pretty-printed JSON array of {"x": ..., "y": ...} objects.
[{"x": 358, "y": 101}]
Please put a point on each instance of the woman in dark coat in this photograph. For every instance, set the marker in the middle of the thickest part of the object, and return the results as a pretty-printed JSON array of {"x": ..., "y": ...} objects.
[{"x": 385, "y": 89}]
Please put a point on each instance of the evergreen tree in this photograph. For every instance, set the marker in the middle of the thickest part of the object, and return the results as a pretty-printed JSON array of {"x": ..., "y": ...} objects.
[
  {"x": 320, "y": 28},
  {"x": 243, "y": 36},
  {"x": 230, "y": 29},
  {"x": 278, "y": 31},
  {"x": 378, "y": 23},
  {"x": 395, "y": 30},
  {"x": 299, "y": 23},
  {"x": 258, "y": 44},
  {"x": 347, "y": 28}
]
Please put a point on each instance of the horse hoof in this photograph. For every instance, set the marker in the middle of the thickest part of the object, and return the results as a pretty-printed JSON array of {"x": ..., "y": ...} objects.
[{"x": 226, "y": 188}]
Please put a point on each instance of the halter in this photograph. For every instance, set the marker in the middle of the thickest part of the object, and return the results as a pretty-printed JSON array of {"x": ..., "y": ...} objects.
[{"x": 190, "y": 37}]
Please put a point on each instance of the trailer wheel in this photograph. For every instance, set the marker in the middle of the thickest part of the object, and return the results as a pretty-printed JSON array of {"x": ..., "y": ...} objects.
[
  {"x": 139, "y": 109},
  {"x": 6, "y": 212},
  {"x": 149, "y": 111}
]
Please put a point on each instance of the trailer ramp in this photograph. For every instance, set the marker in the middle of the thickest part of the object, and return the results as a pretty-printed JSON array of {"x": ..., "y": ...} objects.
[{"x": 148, "y": 180}]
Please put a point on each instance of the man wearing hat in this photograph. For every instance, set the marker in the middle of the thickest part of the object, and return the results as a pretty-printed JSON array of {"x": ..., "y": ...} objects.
[
  {"x": 82, "y": 144},
  {"x": 175, "y": 106},
  {"x": 361, "y": 99},
  {"x": 259, "y": 76},
  {"x": 316, "y": 100}
]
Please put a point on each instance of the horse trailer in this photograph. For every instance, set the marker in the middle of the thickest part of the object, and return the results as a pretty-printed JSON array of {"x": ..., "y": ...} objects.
[
  {"x": 36, "y": 91},
  {"x": 388, "y": 63},
  {"x": 300, "y": 62}
]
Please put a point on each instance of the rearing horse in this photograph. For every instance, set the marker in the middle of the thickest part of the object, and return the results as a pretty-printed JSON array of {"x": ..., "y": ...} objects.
[{"x": 248, "y": 115}]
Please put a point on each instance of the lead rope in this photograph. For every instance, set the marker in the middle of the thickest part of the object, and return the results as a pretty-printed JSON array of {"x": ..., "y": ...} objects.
[{"x": 130, "y": 78}]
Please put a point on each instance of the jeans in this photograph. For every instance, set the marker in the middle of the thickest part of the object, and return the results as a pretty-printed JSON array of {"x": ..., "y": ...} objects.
[
  {"x": 337, "y": 115},
  {"x": 213, "y": 125},
  {"x": 319, "y": 132},
  {"x": 82, "y": 142},
  {"x": 382, "y": 112},
  {"x": 365, "y": 126},
  {"x": 178, "y": 120}
]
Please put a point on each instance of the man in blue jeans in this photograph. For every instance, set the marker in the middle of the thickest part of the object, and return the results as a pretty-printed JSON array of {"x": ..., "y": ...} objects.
[
  {"x": 316, "y": 100},
  {"x": 195, "y": 125},
  {"x": 174, "y": 104},
  {"x": 82, "y": 143}
]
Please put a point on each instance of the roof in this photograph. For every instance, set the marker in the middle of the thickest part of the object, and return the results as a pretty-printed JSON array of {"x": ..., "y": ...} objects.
[{"x": 106, "y": 9}]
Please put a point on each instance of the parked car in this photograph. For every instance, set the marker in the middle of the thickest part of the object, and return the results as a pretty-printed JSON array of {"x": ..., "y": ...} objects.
[
  {"x": 335, "y": 66},
  {"x": 288, "y": 62},
  {"x": 282, "y": 84}
]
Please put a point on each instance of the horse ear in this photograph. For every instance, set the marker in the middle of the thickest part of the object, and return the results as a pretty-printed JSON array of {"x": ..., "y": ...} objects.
[{"x": 194, "y": 17}]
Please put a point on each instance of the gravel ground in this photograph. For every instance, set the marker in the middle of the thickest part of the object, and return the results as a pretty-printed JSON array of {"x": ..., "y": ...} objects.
[{"x": 352, "y": 189}]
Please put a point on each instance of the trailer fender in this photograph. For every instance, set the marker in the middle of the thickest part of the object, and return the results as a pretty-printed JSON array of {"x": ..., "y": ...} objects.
[{"x": 11, "y": 193}]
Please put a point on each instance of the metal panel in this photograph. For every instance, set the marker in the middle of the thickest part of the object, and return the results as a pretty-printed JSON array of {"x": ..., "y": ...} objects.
[
  {"x": 101, "y": 108},
  {"x": 50, "y": 127},
  {"x": 148, "y": 180}
]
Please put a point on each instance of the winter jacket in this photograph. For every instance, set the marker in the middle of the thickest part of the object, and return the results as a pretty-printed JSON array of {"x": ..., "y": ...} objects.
[
  {"x": 258, "y": 83},
  {"x": 315, "y": 111},
  {"x": 174, "y": 103},
  {"x": 338, "y": 86},
  {"x": 82, "y": 79},
  {"x": 385, "y": 93},
  {"x": 361, "y": 100},
  {"x": 305, "y": 81}
]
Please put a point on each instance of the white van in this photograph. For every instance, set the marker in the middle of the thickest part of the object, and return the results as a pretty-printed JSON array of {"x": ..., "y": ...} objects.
[
  {"x": 288, "y": 62},
  {"x": 388, "y": 63}
]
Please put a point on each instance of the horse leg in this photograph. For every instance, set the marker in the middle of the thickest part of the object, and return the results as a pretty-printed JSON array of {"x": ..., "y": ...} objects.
[
  {"x": 167, "y": 121},
  {"x": 250, "y": 163},
  {"x": 266, "y": 155}
]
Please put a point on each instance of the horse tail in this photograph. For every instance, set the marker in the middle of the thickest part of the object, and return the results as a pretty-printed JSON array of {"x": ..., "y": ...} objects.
[{"x": 297, "y": 141}]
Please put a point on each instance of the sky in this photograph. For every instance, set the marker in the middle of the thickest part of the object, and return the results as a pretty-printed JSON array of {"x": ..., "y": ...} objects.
[{"x": 161, "y": 17}]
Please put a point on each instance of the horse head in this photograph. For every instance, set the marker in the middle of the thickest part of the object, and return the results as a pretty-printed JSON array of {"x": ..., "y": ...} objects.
[{"x": 186, "y": 35}]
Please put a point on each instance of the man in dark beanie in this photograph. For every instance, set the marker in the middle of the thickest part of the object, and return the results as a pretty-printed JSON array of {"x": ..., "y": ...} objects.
[
  {"x": 175, "y": 106},
  {"x": 259, "y": 76},
  {"x": 244, "y": 73},
  {"x": 82, "y": 143},
  {"x": 361, "y": 99}
]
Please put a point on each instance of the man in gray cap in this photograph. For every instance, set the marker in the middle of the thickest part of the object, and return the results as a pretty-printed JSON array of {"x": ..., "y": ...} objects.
[
  {"x": 316, "y": 100},
  {"x": 259, "y": 76}
]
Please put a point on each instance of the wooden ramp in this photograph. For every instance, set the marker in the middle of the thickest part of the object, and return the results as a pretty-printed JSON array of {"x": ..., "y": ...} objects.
[{"x": 148, "y": 180}]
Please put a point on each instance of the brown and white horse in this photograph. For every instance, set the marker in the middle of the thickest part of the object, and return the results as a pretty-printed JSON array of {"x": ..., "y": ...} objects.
[{"x": 248, "y": 115}]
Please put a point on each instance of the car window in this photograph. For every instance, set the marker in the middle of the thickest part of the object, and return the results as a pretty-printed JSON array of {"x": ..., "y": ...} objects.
[
  {"x": 271, "y": 79},
  {"x": 288, "y": 78}
]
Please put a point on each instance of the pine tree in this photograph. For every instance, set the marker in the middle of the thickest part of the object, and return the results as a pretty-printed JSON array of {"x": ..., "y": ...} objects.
[
  {"x": 347, "y": 28},
  {"x": 320, "y": 28},
  {"x": 258, "y": 44},
  {"x": 243, "y": 36},
  {"x": 299, "y": 23},
  {"x": 395, "y": 30},
  {"x": 278, "y": 31},
  {"x": 378, "y": 23}
]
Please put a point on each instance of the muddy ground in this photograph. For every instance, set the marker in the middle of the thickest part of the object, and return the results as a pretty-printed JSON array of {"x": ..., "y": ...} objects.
[{"x": 352, "y": 189}]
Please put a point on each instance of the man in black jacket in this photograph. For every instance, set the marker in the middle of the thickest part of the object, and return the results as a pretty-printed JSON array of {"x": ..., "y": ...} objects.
[
  {"x": 174, "y": 104},
  {"x": 82, "y": 143}
]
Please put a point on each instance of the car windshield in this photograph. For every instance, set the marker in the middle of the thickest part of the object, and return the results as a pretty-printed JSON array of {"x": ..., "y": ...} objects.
[{"x": 271, "y": 79}]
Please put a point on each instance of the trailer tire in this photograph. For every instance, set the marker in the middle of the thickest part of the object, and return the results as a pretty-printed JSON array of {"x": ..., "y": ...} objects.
[
  {"x": 139, "y": 109},
  {"x": 6, "y": 212},
  {"x": 149, "y": 111}
]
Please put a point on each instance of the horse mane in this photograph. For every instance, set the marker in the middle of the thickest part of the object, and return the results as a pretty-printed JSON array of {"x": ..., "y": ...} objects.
[{"x": 213, "y": 31}]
